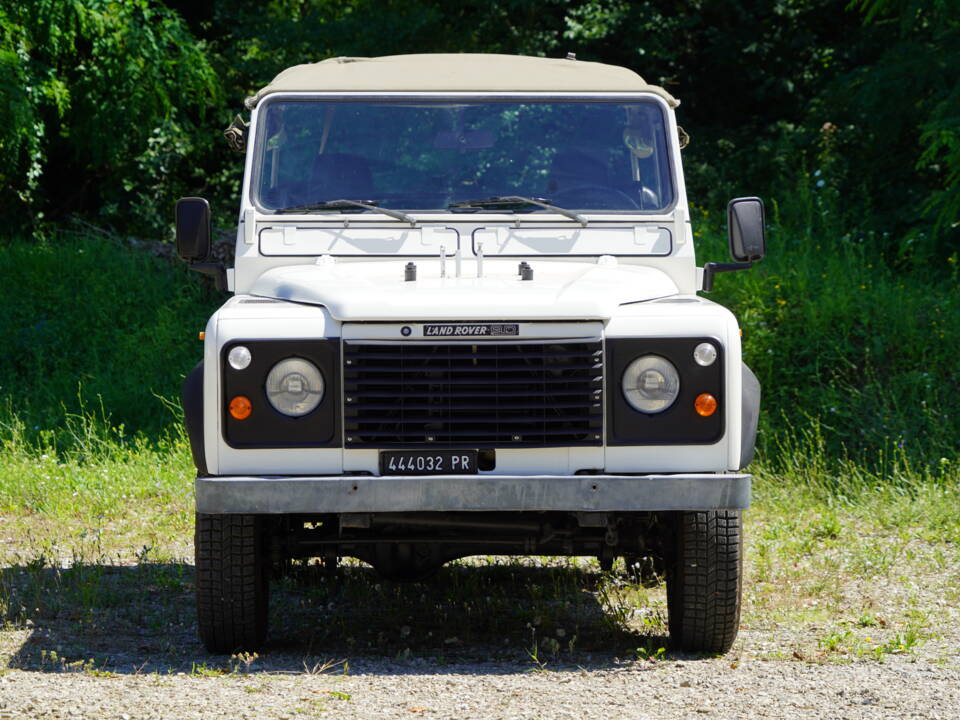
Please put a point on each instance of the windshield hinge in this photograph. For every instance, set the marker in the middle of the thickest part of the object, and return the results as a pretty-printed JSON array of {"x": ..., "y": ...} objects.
[{"x": 236, "y": 134}]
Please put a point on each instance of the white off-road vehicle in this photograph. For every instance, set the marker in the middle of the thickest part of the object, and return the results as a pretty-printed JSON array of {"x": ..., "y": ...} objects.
[{"x": 465, "y": 321}]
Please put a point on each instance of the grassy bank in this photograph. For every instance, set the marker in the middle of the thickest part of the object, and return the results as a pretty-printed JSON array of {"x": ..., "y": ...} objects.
[
  {"x": 848, "y": 347},
  {"x": 93, "y": 322}
]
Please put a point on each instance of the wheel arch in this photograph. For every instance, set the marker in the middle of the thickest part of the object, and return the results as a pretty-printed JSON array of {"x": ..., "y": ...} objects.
[
  {"x": 749, "y": 415},
  {"x": 191, "y": 395}
]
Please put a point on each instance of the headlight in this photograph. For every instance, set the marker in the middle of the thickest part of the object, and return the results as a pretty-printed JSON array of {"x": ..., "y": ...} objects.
[
  {"x": 650, "y": 384},
  {"x": 295, "y": 386}
]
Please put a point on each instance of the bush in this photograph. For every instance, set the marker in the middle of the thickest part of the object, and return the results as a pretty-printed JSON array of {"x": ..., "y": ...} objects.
[{"x": 106, "y": 99}]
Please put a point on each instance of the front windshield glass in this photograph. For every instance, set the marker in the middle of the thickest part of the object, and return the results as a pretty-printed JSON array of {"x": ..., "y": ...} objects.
[{"x": 427, "y": 155}]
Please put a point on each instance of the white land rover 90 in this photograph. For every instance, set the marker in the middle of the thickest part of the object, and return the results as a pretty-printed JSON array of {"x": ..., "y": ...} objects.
[{"x": 465, "y": 321}]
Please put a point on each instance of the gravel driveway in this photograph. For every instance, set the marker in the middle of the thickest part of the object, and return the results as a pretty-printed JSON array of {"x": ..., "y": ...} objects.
[
  {"x": 511, "y": 639},
  {"x": 717, "y": 687}
]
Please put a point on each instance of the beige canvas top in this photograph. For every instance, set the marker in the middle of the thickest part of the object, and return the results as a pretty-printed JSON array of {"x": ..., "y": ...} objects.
[{"x": 464, "y": 72}]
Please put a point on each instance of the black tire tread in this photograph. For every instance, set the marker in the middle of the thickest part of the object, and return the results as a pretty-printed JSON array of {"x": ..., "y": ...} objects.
[
  {"x": 231, "y": 582},
  {"x": 704, "y": 583}
]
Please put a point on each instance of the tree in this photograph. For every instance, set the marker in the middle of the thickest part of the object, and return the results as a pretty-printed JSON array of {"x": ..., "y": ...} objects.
[{"x": 106, "y": 98}]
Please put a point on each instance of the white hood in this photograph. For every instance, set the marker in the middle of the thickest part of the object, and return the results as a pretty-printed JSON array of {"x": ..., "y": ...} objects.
[{"x": 355, "y": 291}]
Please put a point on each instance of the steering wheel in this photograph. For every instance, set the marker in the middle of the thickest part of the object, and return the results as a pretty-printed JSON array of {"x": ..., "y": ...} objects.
[{"x": 578, "y": 193}]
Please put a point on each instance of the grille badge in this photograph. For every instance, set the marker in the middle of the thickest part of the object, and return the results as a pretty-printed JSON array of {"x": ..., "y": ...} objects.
[{"x": 472, "y": 330}]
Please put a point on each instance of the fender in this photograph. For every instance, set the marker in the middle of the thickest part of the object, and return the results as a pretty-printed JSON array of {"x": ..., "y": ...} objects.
[
  {"x": 750, "y": 415},
  {"x": 191, "y": 394}
]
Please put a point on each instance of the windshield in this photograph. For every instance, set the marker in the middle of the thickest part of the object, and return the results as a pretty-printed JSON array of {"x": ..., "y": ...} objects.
[{"x": 428, "y": 155}]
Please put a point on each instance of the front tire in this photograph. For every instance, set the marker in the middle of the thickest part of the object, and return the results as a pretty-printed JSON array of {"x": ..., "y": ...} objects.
[
  {"x": 704, "y": 580},
  {"x": 232, "y": 582}
]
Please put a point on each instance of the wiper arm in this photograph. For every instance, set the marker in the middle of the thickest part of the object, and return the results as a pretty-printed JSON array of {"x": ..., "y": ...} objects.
[
  {"x": 336, "y": 204},
  {"x": 508, "y": 200}
]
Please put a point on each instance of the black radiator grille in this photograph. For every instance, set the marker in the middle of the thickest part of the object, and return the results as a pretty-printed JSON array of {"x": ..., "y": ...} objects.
[{"x": 483, "y": 394}]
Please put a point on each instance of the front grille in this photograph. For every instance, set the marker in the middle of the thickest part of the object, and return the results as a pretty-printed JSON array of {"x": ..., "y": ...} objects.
[{"x": 485, "y": 394}]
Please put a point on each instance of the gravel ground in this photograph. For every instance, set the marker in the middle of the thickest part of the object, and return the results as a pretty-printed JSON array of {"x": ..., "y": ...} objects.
[
  {"x": 717, "y": 687},
  {"x": 120, "y": 642}
]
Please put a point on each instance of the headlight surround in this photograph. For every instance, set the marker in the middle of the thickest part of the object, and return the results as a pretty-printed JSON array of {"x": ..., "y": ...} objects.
[
  {"x": 650, "y": 384},
  {"x": 295, "y": 387}
]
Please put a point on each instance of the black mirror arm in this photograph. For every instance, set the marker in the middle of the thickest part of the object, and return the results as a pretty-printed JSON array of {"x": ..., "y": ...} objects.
[
  {"x": 711, "y": 268},
  {"x": 215, "y": 269}
]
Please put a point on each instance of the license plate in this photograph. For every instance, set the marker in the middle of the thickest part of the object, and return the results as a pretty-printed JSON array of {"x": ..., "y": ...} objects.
[{"x": 428, "y": 462}]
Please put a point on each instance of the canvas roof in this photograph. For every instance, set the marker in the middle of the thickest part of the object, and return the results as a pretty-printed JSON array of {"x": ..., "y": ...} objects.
[{"x": 463, "y": 72}]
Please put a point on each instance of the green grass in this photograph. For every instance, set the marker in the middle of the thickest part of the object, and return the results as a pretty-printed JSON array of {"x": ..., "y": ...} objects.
[
  {"x": 89, "y": 317},
  {"x": 865, "y": 353},
  {"x": 100, "y": 479}
]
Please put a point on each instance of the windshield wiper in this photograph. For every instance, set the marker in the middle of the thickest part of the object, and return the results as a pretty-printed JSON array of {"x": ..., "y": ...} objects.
[
  {"x": 370, "y": 205},
  {"x": 515, "y": 200}
]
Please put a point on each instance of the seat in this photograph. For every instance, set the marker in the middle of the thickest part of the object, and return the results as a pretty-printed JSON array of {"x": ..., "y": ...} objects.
[
  {"x": 337, "y": 176},
  {"x": 578, "y": 177},
  {"x": 575, "y": 168}
]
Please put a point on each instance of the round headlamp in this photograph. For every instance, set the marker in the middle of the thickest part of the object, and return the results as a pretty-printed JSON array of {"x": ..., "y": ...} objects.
[
  {"x": 295, "y": 387},
  {"x": 650, "y": 384}
]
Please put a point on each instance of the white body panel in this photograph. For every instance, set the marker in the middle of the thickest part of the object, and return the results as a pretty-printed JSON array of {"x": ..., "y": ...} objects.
[
  {"x": 377, "y": 291},
  {"x": 639, "y": 240},
  {"x": 399, "y": 240}
]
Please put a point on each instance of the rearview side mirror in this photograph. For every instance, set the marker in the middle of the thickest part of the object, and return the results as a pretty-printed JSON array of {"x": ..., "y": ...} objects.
[
  {"x": 193, "y": 229},
  {"x": 745, "y": 229},
  {"x": 193, "y": 239}
]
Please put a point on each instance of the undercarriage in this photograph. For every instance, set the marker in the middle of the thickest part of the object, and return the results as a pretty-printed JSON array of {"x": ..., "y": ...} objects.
[{"x": 412, "y": 546}]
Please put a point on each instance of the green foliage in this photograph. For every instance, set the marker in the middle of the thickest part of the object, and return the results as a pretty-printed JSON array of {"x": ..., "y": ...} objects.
[
  {"x": 90, "y": 469},
  {"x": 895, "y": 108},
  {"x": 107, "y": 98},
  {"x": 115, "y": 107}
]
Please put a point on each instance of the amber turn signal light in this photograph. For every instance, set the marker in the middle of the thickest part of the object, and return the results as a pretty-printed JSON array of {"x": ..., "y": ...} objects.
[
  {"x": 240, "y": 407},
  {"x": 705, "y": 404}
]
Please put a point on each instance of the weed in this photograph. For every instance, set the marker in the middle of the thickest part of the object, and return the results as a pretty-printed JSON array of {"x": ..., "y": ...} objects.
[
  {"x": 832, "y": 642},
  {"x": 241, "y": 662},
  {"x": 207, "y": 671},
  {"x": 311, "y": 707},
  {"x": 533, "y": 652},
  {"x": 324, "y": 666},
  {"x": 904, "y": 642},
  {"x": 650, "y": 653}
]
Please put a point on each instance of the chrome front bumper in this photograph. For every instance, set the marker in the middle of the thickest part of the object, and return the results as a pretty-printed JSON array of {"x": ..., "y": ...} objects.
[{"x": 452, "y": 493}]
